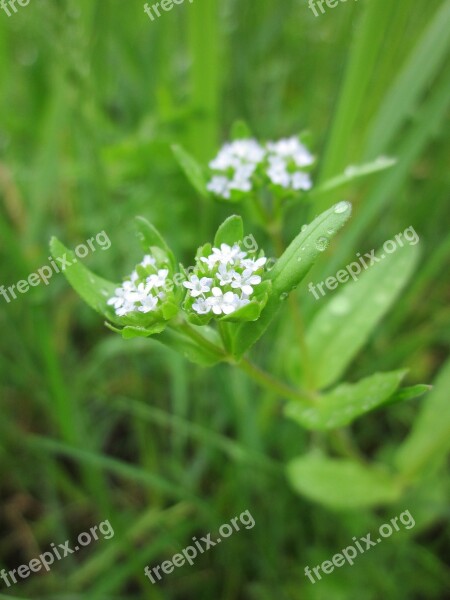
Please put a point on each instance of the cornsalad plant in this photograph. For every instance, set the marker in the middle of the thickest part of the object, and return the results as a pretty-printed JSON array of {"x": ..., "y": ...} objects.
[{"x": 216, "y": 309}]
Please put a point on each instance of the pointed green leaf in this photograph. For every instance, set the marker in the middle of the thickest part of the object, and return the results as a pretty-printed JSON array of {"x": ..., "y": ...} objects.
[
  {"x": 240, "y": 130},
  {"x": 230, "y": 232},
  {"x": 352, "y": 173},
  {"x": 430, "y": 438},
  {"x": 408, "y": 393},
  {"x": 130, "y": 332},
  {"x": 342, "y": 484},
  {"x": 343, "y": 326},
  {"x": 347, "y": 402},
  {"x": 192, "y": 169},
  {"x": 151, "y": 238},
  {"x": 291, "y": 268}
]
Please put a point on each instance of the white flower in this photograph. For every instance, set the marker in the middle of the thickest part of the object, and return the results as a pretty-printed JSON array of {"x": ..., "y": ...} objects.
[
  {"x": 133, "y": 277},
  {"x": 148, "y": 261},
  {"x": 292, "y": 148},
  {"x": 254, "y": 264},
  {"x": 228, "y": 254},
  {"x": 138, "y": 294},
  {"x": 234, "y": 154},
  {"x": 119, "y": 299},
  {"x": 225, "y": 276},
  {"x": 148, "y": 304},
  {"x": 220, "y": 186},
  {"x": 158, "y": 280},
  {"x": 201, "y": 307},
  {"x": 198, "y": 286},
  {"x": 222, "y": 303},
  {"x": 125, "y": 309},
  {"x": 301, "y": 181},
  {"x": 245, "y": 282},
  {"x": 278, "y": 172}
]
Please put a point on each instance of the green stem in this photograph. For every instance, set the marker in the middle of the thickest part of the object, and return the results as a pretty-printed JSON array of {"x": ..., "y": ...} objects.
[
  {"x": 274, "y": 385},
  {"x": 188, "y": 330}
]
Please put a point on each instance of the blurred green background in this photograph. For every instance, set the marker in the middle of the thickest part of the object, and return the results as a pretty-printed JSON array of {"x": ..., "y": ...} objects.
[{"x": 93, "y": 94}]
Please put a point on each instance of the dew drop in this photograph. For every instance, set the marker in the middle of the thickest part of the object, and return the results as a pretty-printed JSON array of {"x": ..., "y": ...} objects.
[
  {"x": 341, "y": 207},
  {"x": 284, "y": 296},
  {"x": 299, "y": 259},
  {"x": 304, "y": 227},
  {"x": 322, "y": 243}
]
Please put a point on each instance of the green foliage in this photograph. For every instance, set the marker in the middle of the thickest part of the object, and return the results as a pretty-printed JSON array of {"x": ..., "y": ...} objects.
[
  {"x": 429, "y": 441},
  {"x": 344, "y": 325},
  {"x": 342, "y": 484},
  {"x": 94, "y": 96},
  {"x": 342, "y": 405}
]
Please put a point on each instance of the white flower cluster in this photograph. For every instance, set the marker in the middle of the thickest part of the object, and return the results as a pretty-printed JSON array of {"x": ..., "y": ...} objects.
[
  {"x": 142, "y": 291},
  {"x": 286, "y": 159},
  {"x": 282, "y": 162},
  {"x": 229, "y": 283},
  {"x": 236, "y": 163}
]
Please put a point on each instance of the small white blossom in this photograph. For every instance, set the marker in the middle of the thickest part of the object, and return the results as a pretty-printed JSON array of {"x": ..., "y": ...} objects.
[
  {"x": 125, "y": 309},
  {"x": 254, "y": 264},
  {"x": 230, "y": 284},
  {"x": 158, "y": 280},
  {"x": 292, "y": 148},
  {"x": 245, "y": 282},
  {"x": 220, "y": 302},
  {"x": 148, "y": 260},
  {"x": 228, "y": 254},
  {"x": 139, "y": 293},
  {"x": 198, "y": 286},
  {"x": 301, "y": 181},
  {"x": 201, "y": 306},
  {"x": 148, "y": 304},
  {"x": 120, "y": 298},
  {"x": 219, "y": 185},
  {"x": 225, "y": 276}
]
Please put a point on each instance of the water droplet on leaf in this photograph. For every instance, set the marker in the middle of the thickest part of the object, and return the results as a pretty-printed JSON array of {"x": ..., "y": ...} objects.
[{"x": 322, "y": 243}]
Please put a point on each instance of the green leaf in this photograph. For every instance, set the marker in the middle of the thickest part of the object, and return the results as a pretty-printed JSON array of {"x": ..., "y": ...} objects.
[
  {"x": 94, "y": 290},
  {"x": 342, "y": 484},
  {"x": 291, "y": 268},
  {"x": 352, "y": 173},
  {"x": 430, "y": 438},
  {"x": 347, "y": 402},
  {"x": 408, "y": 393},
  {"x": 183, "y": 344},
  {"x": 343, "y": 326},
  {"x": 192, "y": 169},
  {"x": 240, "y": 130},
  {"x": 129, "y": 332},
  {"x": 151, "y": 238},
  {"x": 230, "y": 232}
]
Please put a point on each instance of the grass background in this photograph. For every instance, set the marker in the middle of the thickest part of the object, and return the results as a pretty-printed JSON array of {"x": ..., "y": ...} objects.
[{"x": 95, "y": 428}]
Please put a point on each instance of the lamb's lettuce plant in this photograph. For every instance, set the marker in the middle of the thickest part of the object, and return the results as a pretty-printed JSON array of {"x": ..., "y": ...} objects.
[{"x": 216, "y": 309}]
